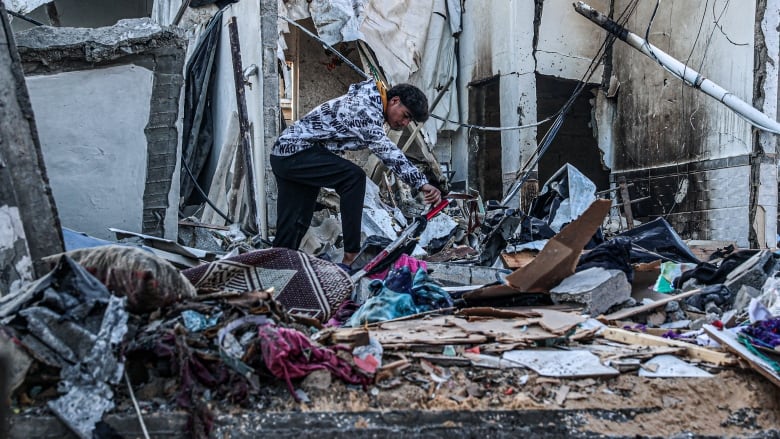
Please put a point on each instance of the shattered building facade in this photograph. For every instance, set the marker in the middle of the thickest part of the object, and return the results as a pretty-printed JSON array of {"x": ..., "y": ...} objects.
[
  {"x": 684, "y": 156},
  {"x": 153, "y": 121}
]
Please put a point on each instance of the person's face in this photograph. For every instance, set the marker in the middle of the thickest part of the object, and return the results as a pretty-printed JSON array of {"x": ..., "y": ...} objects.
[{"x": 397, "y": 115}]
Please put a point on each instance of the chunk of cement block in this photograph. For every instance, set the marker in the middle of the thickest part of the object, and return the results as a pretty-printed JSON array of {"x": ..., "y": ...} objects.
[
  {"x": 752, "y": 272},
  {"x": 596, "y": 289}
]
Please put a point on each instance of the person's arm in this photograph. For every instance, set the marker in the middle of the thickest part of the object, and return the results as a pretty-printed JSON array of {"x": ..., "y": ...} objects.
[
  {"x": 431, "y": 194},
  {"x": 373, "y": 134}
]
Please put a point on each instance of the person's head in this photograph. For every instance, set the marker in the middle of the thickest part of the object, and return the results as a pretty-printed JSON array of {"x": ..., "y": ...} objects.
[{"x": 405, "y": 103}]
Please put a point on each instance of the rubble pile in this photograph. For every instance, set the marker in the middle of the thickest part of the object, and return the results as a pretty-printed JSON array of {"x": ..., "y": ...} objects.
[{"x": 540, "y": 308}]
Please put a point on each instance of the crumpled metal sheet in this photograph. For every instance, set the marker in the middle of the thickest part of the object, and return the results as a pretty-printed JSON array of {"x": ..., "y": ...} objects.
[
  {"x": 70, "y": 277},
  {"x": 85, "y": 383},
  {"x": 70, "y": 320}
]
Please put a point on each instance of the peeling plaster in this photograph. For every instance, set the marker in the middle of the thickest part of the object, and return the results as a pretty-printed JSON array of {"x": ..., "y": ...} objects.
[{"x": 13, "y": 251}]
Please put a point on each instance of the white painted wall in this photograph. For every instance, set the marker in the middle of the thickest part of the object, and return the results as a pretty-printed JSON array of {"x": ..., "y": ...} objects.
[
  {"x": 13, "y": 243},
  {"x": 91, "y": 127},
  {"x": 568, "y": 41}
]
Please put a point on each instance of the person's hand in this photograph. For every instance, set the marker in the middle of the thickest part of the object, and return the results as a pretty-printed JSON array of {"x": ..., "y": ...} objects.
[{"x": 431, "y": 195}]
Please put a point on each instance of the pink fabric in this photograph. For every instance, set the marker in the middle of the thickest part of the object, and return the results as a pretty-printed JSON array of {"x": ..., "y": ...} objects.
[
  {"x": 405, "y": 260},
  {"x": 288, "y": 354}
]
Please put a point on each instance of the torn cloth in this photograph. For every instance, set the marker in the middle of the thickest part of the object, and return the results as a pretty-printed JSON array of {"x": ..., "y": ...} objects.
[{"x": 288, "y": 354}]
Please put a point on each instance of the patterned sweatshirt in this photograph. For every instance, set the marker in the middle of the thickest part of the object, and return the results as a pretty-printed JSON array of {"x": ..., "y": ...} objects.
[{"x": 349, "y": 123}]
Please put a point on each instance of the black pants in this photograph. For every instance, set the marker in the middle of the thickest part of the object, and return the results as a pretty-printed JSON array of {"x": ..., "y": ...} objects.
[{"x": 299, "y": 178}]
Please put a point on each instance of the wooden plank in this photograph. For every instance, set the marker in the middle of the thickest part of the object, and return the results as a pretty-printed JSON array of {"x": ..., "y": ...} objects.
[
  {"x": 693, "y": 351},
  {"x": 349, "y": 336},
  {"x": 628, "y": 312},
  {"x": 730, "y": 342}
]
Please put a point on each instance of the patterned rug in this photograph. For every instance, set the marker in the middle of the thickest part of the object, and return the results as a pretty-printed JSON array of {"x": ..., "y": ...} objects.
[{"x": 305, "y": 285}]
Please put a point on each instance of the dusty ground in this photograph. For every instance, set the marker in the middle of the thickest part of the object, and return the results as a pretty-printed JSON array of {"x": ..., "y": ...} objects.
[{"x": 735, "y": 403}]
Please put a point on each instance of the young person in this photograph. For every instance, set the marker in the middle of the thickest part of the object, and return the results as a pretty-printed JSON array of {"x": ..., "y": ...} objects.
[{"x": 305, "y": 158}]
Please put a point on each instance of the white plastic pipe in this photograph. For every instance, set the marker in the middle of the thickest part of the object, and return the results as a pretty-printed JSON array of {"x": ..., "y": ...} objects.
[{"x": 681, "y": 71}]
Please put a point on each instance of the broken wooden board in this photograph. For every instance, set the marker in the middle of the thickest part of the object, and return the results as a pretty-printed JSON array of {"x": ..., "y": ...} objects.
[
  {"x": 703, "y": 249},
  {"x": 628, "y": 312},
  {"x": 349, "y": 336},
  {"x": 561, "y": 364},
  {"x": 505, "y": 334},
  {"x": 558, "y": 322},
  {"x": 559, "y": 257},
  {"x": 490, "y": 292},
  {"x": 692, "y": 350},
  {"x": 730, "y": 341},
  {"x": 430, "y": 331},
  {"x": 518, "y": 259},
  {"x": 506, "y": 330},
  {"x": 486, "y": 311}
]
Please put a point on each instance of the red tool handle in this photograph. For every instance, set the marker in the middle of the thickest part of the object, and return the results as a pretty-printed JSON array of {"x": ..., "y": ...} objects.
[
  {"x": 437, "y": 208},
  {"x": 383, "y": 254}
]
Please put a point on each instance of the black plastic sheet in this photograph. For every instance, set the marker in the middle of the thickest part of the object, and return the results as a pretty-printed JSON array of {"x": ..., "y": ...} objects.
[
  {"x": 197, "y": 136},
  {"x": 656, "y": 240}
]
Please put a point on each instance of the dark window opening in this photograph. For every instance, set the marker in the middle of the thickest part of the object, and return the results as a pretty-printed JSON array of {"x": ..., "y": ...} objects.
[
  {"x": 485, "y": 170},
  {"x": 574, "y": 143}
]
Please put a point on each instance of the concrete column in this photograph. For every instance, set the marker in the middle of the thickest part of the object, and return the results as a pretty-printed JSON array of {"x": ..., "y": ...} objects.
[
  {"x": 269, "y": 9},
  {"x": 29, "y": 226}
]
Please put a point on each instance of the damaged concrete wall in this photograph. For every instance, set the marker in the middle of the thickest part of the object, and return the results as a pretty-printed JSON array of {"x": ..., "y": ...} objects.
[
  {"x": 29, "y": 226},
  {"x": 514, "y": 41},
  {"x": 566, "y": 42},
  {"x": 78, "y": 13},
  {"x": 320, "y": 75},
  {"x": 498, "y": 41},
  {"x": 108, "y": 105},
  {"x": 691, "y": 155}
]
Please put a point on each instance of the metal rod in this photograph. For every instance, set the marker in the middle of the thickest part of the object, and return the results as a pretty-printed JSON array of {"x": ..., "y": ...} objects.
[
  {"x": 180, "y": 13},
  {"x": 243, "y": 120},
  {"x": 327, "y": 46},
  {"x": 24, "y": 17},
  {"x": 681, "y": 71}
]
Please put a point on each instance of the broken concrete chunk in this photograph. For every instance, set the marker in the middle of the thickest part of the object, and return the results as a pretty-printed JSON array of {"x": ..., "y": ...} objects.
[
  {"x": 595, "y": 288},
  {"x": 752, "y": 272},
  {"x": 745, "y": 293}
]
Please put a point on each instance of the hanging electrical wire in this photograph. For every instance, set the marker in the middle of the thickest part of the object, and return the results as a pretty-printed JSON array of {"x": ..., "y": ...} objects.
[
  {"x": 203, "y": 193},
  {"x": 327, "y": 46},
  {"x": 525, "y": 171}
]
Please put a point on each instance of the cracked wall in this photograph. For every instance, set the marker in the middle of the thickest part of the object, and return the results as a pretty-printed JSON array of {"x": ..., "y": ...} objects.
[
  {"x": 694, "y": 158},
  {"x": 517, "y": 41}
]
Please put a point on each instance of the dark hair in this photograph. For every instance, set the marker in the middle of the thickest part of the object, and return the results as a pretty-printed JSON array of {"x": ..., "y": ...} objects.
[{"x": 413, "y": 98}]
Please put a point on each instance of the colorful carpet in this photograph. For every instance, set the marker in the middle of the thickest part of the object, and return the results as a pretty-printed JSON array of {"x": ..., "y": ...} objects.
[{"x": 305, "y": 285}]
